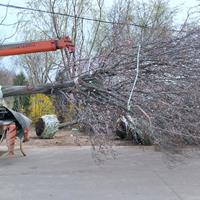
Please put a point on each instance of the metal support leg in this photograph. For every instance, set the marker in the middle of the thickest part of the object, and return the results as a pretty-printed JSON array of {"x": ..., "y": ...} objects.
[{"x": 11, "y": 137}]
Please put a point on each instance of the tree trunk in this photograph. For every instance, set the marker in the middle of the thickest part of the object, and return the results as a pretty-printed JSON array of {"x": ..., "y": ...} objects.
[{"x": 26, "y": 90}]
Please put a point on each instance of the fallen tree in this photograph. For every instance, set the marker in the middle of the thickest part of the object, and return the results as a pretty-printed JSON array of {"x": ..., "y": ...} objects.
[
  {"x": 157, "y": 93},
  {"x": 147, "y": 75}
]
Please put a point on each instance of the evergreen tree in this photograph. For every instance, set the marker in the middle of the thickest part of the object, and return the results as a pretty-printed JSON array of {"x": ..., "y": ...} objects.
[{"x": 21, "y": 103}]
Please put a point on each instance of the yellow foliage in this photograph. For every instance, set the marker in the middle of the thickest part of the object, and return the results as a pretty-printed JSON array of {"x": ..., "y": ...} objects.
[{"x": 40, "y": 105}]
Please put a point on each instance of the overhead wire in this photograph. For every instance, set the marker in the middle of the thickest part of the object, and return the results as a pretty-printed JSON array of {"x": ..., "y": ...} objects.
[
  {"x": 79, "y": 17},
  {"x": 68, "y": 15}
]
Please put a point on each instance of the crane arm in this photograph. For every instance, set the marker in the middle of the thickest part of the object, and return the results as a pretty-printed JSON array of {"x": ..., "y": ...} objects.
[{"x": 37, "y": 46}]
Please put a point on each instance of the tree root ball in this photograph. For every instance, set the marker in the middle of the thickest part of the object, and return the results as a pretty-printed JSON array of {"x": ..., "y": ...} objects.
[
  {"x": 47, "y": 126},
  {"x": 39, "y": 127}
]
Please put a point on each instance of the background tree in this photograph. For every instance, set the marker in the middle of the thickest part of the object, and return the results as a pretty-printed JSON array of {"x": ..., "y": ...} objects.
[
  {"x": 6, "y": 76},
  {"x": 21, "y": 103},
  {"x": 84, "y": 34},
  {"x": 40, "y": 105},
  {"x": 60, "y": 66}
]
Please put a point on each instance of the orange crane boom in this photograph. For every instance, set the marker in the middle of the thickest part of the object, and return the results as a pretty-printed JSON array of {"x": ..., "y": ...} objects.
[{"x": 37, "y": 46}]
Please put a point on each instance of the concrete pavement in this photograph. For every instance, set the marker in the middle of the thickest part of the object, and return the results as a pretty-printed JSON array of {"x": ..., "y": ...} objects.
[{"x": 63, "y": 173}]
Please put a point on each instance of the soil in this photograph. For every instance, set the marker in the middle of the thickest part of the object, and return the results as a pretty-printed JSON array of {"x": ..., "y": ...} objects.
[{"x": 67, "y": 138}]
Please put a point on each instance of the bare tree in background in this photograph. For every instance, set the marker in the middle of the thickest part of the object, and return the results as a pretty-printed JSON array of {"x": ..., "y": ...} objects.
[
  {"x": 6, "y": 77},
  {"x": 45, "y": 26},
  {"x": 39, "y": 67},
  {"x": 85, "y": 37}
]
